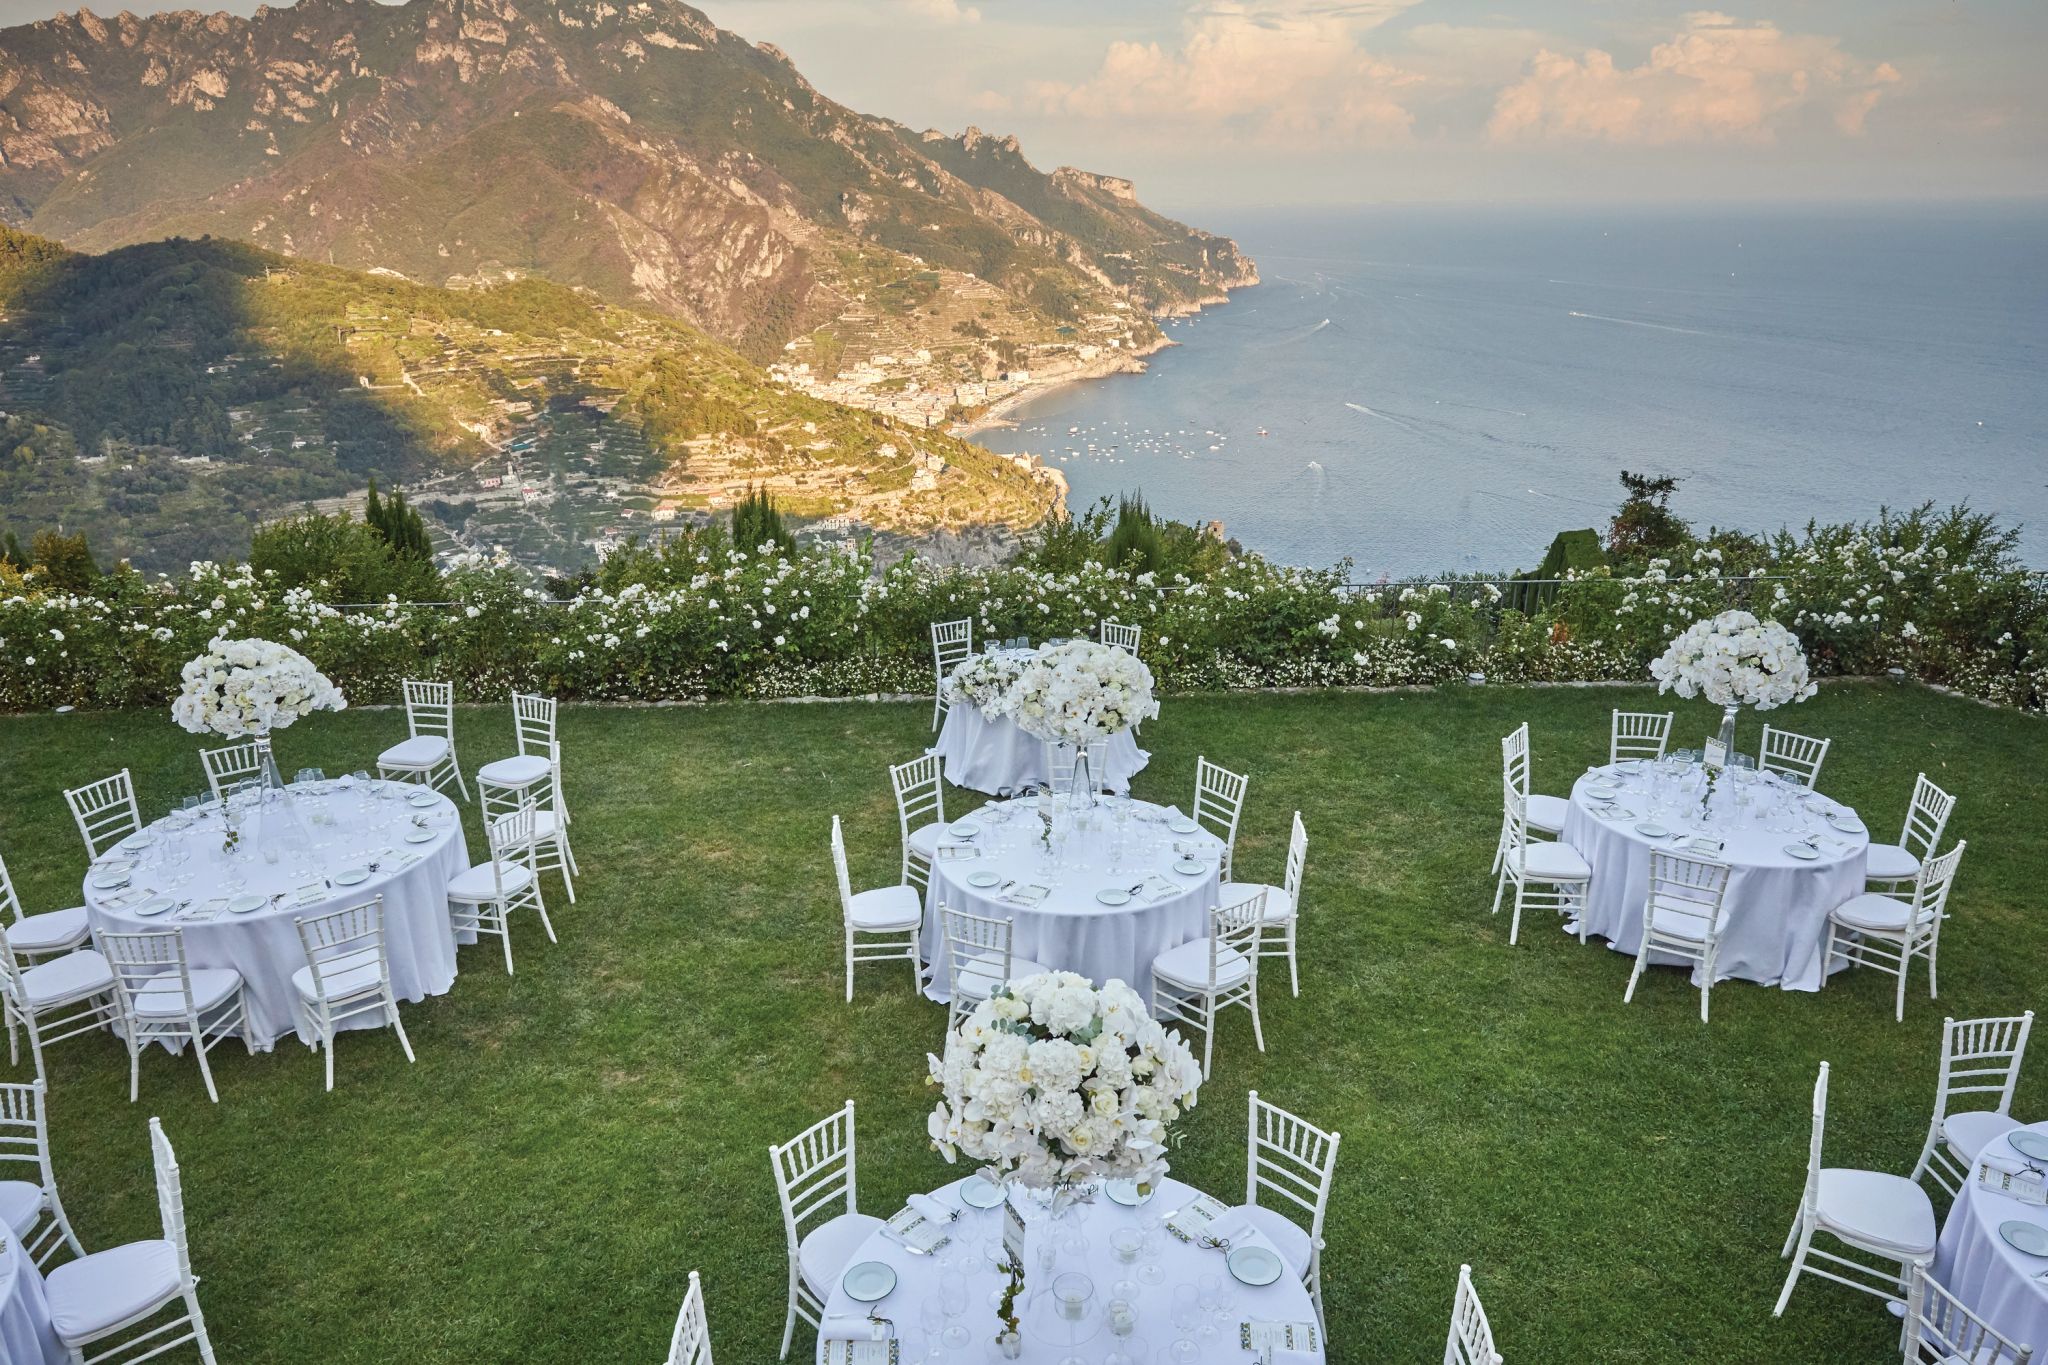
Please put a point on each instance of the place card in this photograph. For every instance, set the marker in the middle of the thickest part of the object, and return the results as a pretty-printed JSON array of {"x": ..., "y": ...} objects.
[
  {"x": 1156, "y": 887},
  {"x": 1278, "y": 1336},
  {"x": 917, "y": 1232},
  {"x": 868, "y": 1352},
  {"x": 1031, "y": 894},
  {"x": 1714, "y": 755},
  {"x": 1013, "y": 1233},
  {"x": 2023, "y": 1186},
  {"x": 950, "y": 852},
  {"x": 1191, "y": 1224}
]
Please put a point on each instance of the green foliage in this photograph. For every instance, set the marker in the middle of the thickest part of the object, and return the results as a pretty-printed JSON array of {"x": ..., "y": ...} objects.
[
  {"x": 756, "y": 521},
  {"x": 1135, "y": 544},
  {"x": 343, "y": 559},
  {"x": 65, "y": 561},
  {"x": 1571, "y": 552},
  {"x": 1646, "y": 525},
  {"x": 397, "y": 525}
]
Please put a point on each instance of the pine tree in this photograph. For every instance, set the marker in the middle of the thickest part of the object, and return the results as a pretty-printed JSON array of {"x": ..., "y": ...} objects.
[{"x": 373, "y": 513}]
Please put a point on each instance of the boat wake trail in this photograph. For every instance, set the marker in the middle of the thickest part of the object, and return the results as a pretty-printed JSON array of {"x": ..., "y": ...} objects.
[
  {"x": 1297, "y": 337},
  {"x": 1636, "y": 322},
  {"x": 1402, "y": 423}
]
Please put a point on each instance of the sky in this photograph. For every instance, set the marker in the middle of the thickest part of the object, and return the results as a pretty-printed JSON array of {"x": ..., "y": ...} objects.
[{"x": 1243, "y": 104}]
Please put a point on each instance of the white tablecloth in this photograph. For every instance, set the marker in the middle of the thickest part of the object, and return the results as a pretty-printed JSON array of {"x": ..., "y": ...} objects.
[
  {"x": 1996, "y": 1279},
  {"x": 1070, "y": 930},
  {"x": 26, "y": 1337},
  {"x": 987, "y": 755},
  {"x": 918, "y": 1278},
  {"x": 1777, "y": 904},
  {"x": 264, "y": 945}
]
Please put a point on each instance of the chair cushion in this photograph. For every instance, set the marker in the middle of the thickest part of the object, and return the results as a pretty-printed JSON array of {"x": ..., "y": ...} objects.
[
  {"x": 1546, "y": 813},
  {"x": 211, "y": 986},
  {"x": 61, "y": 980},
  {"x": 885, "y": 907},
  {"x": 477, "y": 883},
  {"x": 925, "y": 840},
  {"x": 96, "y": 1292},
  {"x": 828, "y": 1248},
  {"x": 1880, "y": 1210},
  {"x": 48, "y": 932},
  {"x": 1188, "y": 965},
  {"x": 544, "y": 822},
  {"x": 983, "y": 972},
  {"x": 1287, "y": 1236},
  {"x": 1279, "y": 908},
  {"x": 514, "y": 772},
  {"x": 1969, "y": 1132},
  {"x": 1554, "y": 863},
  {"x": 1874, "y": 912},
  {"x": 342, "y": 985},
  {"x": 21, "y": 1203},
  {"x": 1890, "y": 863},
  {"x": 1673, "y": 924},
  {"x": 421, "y": 751}
]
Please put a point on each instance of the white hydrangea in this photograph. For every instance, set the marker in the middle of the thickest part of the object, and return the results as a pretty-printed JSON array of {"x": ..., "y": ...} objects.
[
  {"x": 250, "y": 687},
  {"x": 1735, "y": 660}
]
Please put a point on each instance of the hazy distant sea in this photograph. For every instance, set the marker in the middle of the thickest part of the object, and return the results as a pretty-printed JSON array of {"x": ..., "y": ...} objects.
[{"x": 1446, "y": 389}]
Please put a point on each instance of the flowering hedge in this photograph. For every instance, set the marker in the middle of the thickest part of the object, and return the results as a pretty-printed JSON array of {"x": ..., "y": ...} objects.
[{"x": 1913, "y": 593}]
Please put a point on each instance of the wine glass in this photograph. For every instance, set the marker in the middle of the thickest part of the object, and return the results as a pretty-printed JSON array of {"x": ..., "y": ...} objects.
[{"x": 953, "y": 1302}]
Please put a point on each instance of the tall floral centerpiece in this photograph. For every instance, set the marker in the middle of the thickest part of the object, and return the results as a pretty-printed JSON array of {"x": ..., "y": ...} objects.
[
  {"x": 1079, "y": 692},
  {"x": 1053, "y": 1083},
  {"x": 1735, "y": 660},
  {"x": 249, "y": 689}
]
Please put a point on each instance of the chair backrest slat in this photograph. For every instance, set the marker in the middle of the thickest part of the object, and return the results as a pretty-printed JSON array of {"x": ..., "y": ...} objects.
[
  {"x": 430, "y": 708},
  {"x": 1235, "y": 929},
  {"x": 344, "y": 941},
  {"x": 1122, "y": 637},
  {"x": 952, "y": 641},
  {"x": 969, "y": 937},
  {"x": 920, "y": 795},
  {"x": 1219, "y": 801},
  {"x": 153, "y": 961},
  {"x": 1686, "y": 891},
  {"x": 1287, "y": 1156},
  {"x": 813, "y": 1169},
  {"x": 105, "y": 811},
  {"x": 1297, "y": 861},
  {"x": 1514, "y": 758},
  {"x": 1941, "y": 1329},
  {"x": 1797, "y": 757},
  {"x": 229, "y": 764},
  {"x": 1926, "y": 817},
  {"x": 1471, "y": 1338},
  {"x": 170, "y": 1197},
  {"x": 690, "y": 1344},
  {"x": 1982, "y": 1057},
  {"x": 1639, "y": 734},
  {"x": 533, "y": 724}
]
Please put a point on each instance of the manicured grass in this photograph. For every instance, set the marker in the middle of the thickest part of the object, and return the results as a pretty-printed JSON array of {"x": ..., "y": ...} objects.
[{"x": 576, "y": 1138}]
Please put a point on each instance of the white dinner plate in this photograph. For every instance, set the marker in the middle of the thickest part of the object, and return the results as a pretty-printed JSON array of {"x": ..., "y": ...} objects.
[
  {"x": 1651, "y": 829},
  {"x": 1188, "y": 867},
  {"x": 242, "y": 905},
  {"x": 2031, "y": 1238},
  {"x": 107, "y": 881},
  {"x": 1848, "y": 824},
  {"x": 868, "y": 1282},
  {"x": 140, "y": 839},
  {"x": 982, "y": 878},
  {"x": 1602, "y": 791},
  {"x": 422, "y": 836},
  {"x": 1180, "y": 824},
  {"x": 963, "y": 829},
  {"x": 2029, "y": 1144},
  {"x": 1805, "y": 853},
  {"x": 352, "y": 876},
  {"x": 1113, "y": 895},
  {"x": 1254, "y": 1265},
  {"x": 978, "y": 1193},
  {"x": 155, "y": 905},
  {"x": 422, "y": 799},
  {"x": 1125, "y": 1192}
]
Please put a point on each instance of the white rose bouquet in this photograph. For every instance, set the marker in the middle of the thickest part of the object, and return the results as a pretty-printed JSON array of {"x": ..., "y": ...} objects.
[
  {"x": 1735, "y": 660},
  {"x": 987, "y": 681},
  {"x": 1082, "y": 691},
  {"x": 1051, "y": 1083},
  {"x": 251, "y": 687}
]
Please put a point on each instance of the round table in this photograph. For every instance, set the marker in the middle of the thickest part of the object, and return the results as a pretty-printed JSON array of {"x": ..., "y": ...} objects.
[
  {"x": 26, "y": 1337},
  {"x": 918, "y": 1279},
  {"x": 1998, "y": 1281},
  {"x": 1069, "y": 929},
  {"x": 1777, "y": 904},
  {"x": 347, "y": 825},
  {"x": 988, "y": 755}
]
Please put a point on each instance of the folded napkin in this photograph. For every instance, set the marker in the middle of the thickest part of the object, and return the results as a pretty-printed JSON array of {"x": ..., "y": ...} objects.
[
  {"x": 1156, "y": 887},
  {"x": 1028, "y": 895},
  {"x": 1232, "y": 1227},
  {"x": 1288, "y": 1341},
  {"x": 1192, "y": 1223},
  {"x": 949, "y": 852},
  {"x": 2010, "y": 1165},
  {"x": 853, "y": 1327},
  {"x": 931, "y": 1208}
]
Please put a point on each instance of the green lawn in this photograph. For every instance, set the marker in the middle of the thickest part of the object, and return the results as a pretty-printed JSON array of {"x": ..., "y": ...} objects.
[{"x": 575, "y": 1139}]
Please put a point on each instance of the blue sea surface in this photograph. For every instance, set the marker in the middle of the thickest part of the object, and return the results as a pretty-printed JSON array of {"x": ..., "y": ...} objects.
[{"x": 1431, "y": 390}]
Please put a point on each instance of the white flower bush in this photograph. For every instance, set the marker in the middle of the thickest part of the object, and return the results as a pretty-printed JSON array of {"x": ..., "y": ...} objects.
[
  {"x": 1081, "y": 691},
  {"x": 1051, "y": 1082},
  {"x": 251, "y": 687},
  {"x": 988, "y": 681},
  {"x": 1735, "y": 660}
]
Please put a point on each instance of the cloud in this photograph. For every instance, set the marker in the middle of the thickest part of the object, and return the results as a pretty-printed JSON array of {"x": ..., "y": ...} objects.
[
  {"x": 942, "y": 11},
  {"x": 1290, "y": 75},
  {"x": 1718, "y": 80}
]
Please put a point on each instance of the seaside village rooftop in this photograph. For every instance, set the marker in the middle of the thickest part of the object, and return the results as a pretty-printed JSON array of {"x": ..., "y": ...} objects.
[{"x": 1139, "y": 952}]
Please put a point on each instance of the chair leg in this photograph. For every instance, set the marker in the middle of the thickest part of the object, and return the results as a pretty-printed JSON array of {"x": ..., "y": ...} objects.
[
  {"x": 458, "y": 773},
  {"x": 1805, "y": 1236},
  {"x": 1905, "y": 966},
  {"x": 205, "y": 1071},
  {"x": 849, "y": 966},
  {"x": 398, "y": 1027},
  {"x": 134, "y": 1070},
  {"x": 327, "y": 1046},
  {"x": 1258, "y": 1031},
  {"x": 200, "y": 1338},
  {"x": 1293, "y": 970},
  {"x": 1515, "y": 925},
  {"x": 505, "y": 934},
  {"x": 568, "y": 868},
  {"x": 789, "y": 1320},
  {"x": 1209, "y": 1038},
  {"x": 1635, "y": 974}
]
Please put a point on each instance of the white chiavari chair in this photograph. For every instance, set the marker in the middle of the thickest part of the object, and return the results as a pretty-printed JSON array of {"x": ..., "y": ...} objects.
[
  {"x": 952, "y": 642},
  {"x": 1683, "y": 916},
  {"x": 1881, "y": 931},
  {"x": 979, "y": 957},
  {"x": 1884, "y": 1216},
  {"x": 43, "y": 935},
  {"x": 1638, "y": 734},
  {"x": 1795, "y": 757},
  {"x": 1942, "y": 1330},
  {"x": 1122, "y": 637},
  {"x": 1893, "y": 865},
  {"x": 103, "y": 1294},
  {"x": 533, "y": 776},
  {"x": 105, "y": 811},
  {"x": 1541, "y": 815},
  {"x": 1545, "y": 876},
  {"x": 164, "y": 999},
  {"x": 881, "y": 925},
  {"x": 58, "y": 998},
  {"x": 1471, "y": 1339},
  {"x": 920, "y": 815},
  {"x": 1195, "y": 982},
  {"x": 1283, "y": 904},
  {"x": 1290, "y": 1160},
  {"x": 1062, "y": 759},
  {"x": 483, "y": 899},
  {"x": 347, "y": 974},
  {"x": 1219, "y": 801},
  {"x": 814, "y": 1174},
  {"x": 1978, "y": 1057},
  {"x": 24, "y": 1204},
  {"x": 229, "y": 764},
  {"x": 427, "y": 756},
  {"x": 690, "y": 1343}
]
